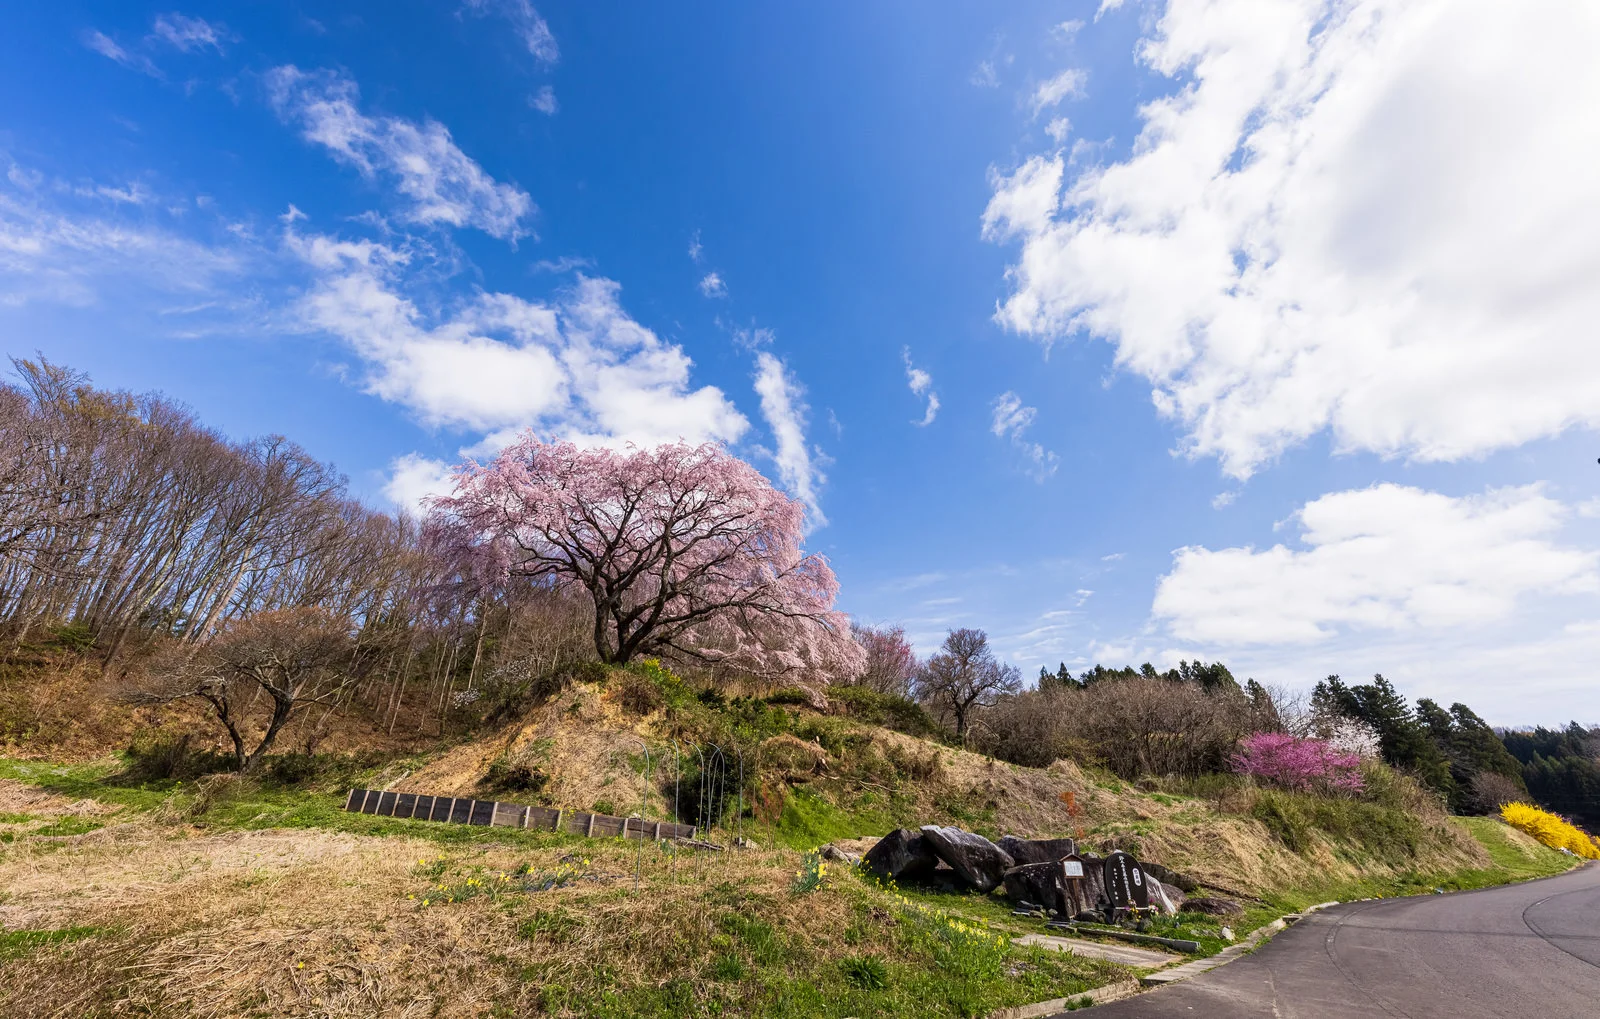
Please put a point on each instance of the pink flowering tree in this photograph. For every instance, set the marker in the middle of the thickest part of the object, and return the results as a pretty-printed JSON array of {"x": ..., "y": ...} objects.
[
  {"x": 1295, "y": 762},
  {"x": 684, "y": 550},
  {"x": 891, "y": 664}
]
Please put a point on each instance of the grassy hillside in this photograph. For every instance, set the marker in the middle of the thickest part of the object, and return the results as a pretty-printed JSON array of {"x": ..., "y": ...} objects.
[{"x": 137, "y": 884}]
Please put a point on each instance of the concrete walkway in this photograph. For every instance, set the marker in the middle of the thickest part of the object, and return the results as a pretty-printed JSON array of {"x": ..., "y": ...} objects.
[{"x": 1126, "y": 955}]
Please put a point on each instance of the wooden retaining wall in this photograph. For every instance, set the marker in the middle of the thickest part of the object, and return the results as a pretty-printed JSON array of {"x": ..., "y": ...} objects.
[{"x": 465, "y": 810}]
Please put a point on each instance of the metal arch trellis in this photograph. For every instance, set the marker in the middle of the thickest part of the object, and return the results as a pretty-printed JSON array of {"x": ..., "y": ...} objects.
[{"x": 644, "y": 808}]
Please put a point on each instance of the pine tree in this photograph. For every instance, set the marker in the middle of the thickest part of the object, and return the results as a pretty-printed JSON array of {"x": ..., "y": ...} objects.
[{"x": 1404, "y": 740}]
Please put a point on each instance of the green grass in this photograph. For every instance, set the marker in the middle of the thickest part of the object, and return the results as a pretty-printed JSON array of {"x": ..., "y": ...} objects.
[
  {"x": 15, "y": 944},
  {"x": 1507, "y": 857},
  {"x": 902, "y": 959}
]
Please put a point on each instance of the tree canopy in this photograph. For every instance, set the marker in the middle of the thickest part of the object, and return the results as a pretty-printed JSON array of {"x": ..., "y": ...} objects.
[{"x": 683, "y": 550}]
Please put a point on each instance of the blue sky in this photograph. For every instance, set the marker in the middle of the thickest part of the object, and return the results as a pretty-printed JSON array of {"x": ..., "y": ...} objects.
[{"x": 1255, "y": 335}]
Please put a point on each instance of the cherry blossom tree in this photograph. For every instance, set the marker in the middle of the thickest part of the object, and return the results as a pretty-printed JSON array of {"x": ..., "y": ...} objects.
[
  {"x": 891, "y": 664},
  {"x": 683, "y": 550}
]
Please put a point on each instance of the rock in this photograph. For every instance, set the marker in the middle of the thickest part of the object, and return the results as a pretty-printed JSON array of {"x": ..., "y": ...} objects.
[
  {"x": 1026, "y": 851},
  {"x": 1183, "y": 882},
  {"x": 1090, "y": 916},
  {"x": 743, "y": 843},
  {"x": 902, "y": 853},
  {"x": 1227, "y": 934},
  {"x": 1038, "y": 883},
  {"x": 837, "y": 855},
  {"x": 981, "y": 863},
  {"x": 1163, "y": 896},
  {"x": 1212, "y": 906}
]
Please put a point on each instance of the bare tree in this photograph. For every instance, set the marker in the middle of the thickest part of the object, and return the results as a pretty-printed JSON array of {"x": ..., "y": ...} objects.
[
  {"x": 963, "y": 676},
  {"x": 297, "y": 658}
]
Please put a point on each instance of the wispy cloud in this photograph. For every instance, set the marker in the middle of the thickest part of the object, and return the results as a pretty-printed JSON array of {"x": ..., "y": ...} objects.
[
  {"x": 696, "y": 249},
  {"x": 189, "y": 34},
  {"x": 712, "y": 285},
  {"x": 112, "y": 50},
  {"x": 526, "y": 22},
  {"x": 442, "y": 184},
  {"x": 783, "y": 406},
  {"x": 1050, "y": 92},
  {"x": 1010, "y": 421},
  {"x": 76, "y": 243},
  {"x": 564, "y": 264},
  {"x": 544, "y": 101},
  {"x": 920, "y": 383}
]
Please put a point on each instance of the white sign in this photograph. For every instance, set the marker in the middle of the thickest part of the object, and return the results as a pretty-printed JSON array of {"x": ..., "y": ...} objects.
[{"x": 1074, "y": 868}]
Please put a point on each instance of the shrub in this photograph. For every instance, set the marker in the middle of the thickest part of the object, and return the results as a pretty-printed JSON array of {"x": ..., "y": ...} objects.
[
  {"x": 788, "y": 695},
  {"x": 888, "y": 710},
  {"x": 1553, "y": 830},
  {"x": 1297, "y": 763},
  {"x": 162, "y": 759},
  {"x": 1133, "y": 726},
  {"x": 514, "y": 774}
]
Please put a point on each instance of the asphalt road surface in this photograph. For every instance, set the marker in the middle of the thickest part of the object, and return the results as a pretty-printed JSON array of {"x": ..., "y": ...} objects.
[{"x": 1529, "y": 951}]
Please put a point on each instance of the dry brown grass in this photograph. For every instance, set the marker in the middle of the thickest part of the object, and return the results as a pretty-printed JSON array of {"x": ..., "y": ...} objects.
[
  {"x": 318, "y": 924},
  {"x": 324, "y": 924}
]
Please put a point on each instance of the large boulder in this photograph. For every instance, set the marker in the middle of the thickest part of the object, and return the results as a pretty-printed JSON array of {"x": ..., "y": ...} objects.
[
  {"x": 1037, "y": 850},
  {"x": 1091, "y": 891},
  {"x": 1212, "y": 906},
  {"x": 1167, "y": 898},
  {"x": 901, "y": 853},
  {"x": 981, "y": 863},
  {"x": 1040, "y": 884}
]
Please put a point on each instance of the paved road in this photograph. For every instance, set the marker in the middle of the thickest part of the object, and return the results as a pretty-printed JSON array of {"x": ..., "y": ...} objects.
[{"x": 1529, "y": 951}]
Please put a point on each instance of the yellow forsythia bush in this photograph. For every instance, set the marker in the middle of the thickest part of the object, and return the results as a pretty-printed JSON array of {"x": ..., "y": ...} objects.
[{"x": 1550, "y": 829}]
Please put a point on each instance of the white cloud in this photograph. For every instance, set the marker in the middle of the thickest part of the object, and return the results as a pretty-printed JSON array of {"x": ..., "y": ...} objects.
[
  {"x": 63, "y": 245},
  {"x": 1067, "y": 31},
  {"x": 544, "y": 101},
  {"x": 985, "y": 76},
  {"x": 189, "y": 34},
  {"x": 1388, "y": 558},
  {"x": 533, "y": 29},
  {"x": 920, "y": 382},
  {"x": 696, "y": 250},
  {"x": 1058, "y": 129},
  {"x": 442, "y": 184},
  {"x": 581, "y": 367},
  {"x": 112, "y": 50},
  {"x": 783, "y": 406},
  {"x": 413, "y": 478},
  {"x": 1377, "y": 218},
  {"x": 712, "y": 285},
  {"x": 1009, "y": 421},
  {"x": 1222, "y": 500},
  {"x": 1050, "y": 92}
]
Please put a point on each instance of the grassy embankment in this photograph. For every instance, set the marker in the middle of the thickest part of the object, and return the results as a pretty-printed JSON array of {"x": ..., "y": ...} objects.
[{"x": 125, "y": 892}]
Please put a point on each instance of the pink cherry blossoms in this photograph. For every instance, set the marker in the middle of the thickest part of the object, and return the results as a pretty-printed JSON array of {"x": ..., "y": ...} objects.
[
  {"x": 1298, "y": 763},
  {"x": 684, "y": 550}
]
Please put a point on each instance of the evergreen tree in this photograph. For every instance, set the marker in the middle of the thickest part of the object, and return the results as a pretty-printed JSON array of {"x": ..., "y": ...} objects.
[
  {"x": 1480, "y": 746},
  {"x": 1333, "y": 697},
  {"x": 1403, "y": 739},
  {"x": 1561, "y": 769}
]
